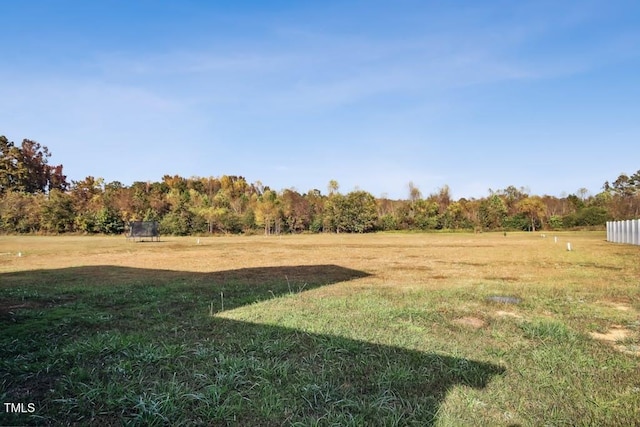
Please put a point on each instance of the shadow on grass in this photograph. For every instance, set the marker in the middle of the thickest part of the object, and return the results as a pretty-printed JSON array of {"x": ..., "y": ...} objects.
[{"x": 112, "y": 345}]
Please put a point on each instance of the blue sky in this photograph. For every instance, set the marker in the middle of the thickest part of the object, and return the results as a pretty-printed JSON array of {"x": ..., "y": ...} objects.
[{"x": 374, "y": 94}]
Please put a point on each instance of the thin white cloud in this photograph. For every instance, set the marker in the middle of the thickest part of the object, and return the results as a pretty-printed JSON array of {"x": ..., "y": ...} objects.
[{"x": 301, "y": 70}]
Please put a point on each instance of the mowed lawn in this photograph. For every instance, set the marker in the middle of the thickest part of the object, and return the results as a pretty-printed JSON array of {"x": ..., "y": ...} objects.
[{"x": 376, "y": 329}]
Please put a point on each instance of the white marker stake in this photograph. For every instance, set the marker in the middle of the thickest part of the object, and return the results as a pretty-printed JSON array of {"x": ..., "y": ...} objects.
[
  {"x": 555, "y": 239},
  {"x": 568, "y": 246}
]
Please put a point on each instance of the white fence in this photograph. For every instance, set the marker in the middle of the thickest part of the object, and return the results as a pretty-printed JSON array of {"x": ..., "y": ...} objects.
[{"x": 624, "y": 231}]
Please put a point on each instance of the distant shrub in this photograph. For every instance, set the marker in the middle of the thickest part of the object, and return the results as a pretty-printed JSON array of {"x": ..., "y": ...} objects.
[
  {"x": 176, "y": 222},
  {"x": 517, "y": 222},
  {"x": 592, "y": 215},
  {"x": 316, "y": 224},
  {"x": 555, "y": 222},
  {"x": 108, "y": 221},
  {"x": 387, "y": 222}
]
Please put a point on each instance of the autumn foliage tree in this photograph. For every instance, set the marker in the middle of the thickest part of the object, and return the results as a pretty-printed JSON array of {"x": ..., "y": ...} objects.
[
  {"x": 624, "y": 195},
  {"x": 534, "y": 210},
  {"x": 35, "y": 197},
  {"x": 25, "y": 168}
]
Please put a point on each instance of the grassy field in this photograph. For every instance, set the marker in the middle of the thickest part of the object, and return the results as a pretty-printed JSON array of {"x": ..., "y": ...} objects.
[{"x": 383, "y": 329}]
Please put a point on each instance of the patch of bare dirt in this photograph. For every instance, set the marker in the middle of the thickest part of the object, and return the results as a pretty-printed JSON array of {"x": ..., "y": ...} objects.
[
  {"x": 633, "y": 350},
  {"x": 616, "y": 334},
  {"x": 612, "y": 335},
  {"x": 472, "y": 322}
]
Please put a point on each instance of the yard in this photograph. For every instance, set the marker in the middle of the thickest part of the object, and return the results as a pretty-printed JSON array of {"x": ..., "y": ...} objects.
[{"x": 333, "y": 329}]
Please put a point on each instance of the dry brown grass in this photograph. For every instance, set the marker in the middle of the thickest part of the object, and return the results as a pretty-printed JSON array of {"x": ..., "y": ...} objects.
[
  {"x": 397, "y": 261},
  {"x": 597, "y": 275}
]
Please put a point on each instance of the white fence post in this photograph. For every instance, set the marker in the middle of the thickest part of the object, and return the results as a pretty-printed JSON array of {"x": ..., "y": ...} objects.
[
  {"x": 612, "y": 231},
  {"x": 625, "y": 232},
  {"x": 619, "y": 240}
]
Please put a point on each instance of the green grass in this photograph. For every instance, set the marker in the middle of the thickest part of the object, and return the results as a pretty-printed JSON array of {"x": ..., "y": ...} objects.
[{"x": 320, "y": 330}]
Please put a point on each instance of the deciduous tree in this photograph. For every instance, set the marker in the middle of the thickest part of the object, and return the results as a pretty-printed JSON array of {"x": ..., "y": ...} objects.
[
  {"x": 25, "y": 168},
  {"x": 58, "y": 214},
  {"x": 534, "y": 209},
  {"x": 20, "y": 212},
  {"x": 296, "y": 212},
  {"x": 492, "y": 212}
]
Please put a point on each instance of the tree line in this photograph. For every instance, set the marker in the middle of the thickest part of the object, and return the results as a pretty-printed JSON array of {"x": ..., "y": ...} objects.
[{"x": 35, "y": 197}]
